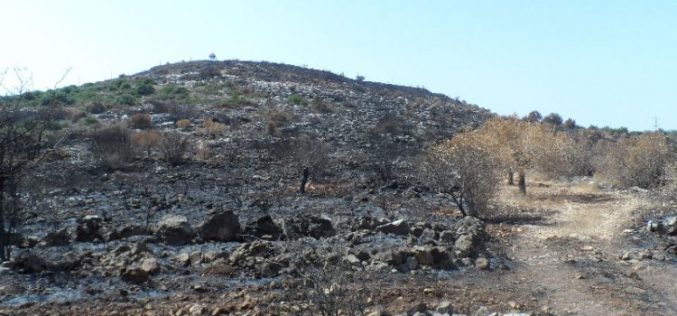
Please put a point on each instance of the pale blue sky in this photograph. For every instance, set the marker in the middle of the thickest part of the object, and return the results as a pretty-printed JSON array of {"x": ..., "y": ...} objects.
[{"x": 608, "y": 62}]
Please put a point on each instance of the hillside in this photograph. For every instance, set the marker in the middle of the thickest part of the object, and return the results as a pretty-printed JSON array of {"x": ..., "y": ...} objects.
[{"x": 253, "y": 188}]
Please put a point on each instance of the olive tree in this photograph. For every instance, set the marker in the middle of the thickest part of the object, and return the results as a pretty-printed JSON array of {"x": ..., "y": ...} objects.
[{"x": 464, "y": 170}]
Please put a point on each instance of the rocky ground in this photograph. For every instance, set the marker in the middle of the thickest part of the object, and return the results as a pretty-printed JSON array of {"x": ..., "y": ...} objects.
[{"x": 226, "y": 231}]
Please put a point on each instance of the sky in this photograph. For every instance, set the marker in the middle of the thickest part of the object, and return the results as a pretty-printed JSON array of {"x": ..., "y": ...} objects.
[{"x": 604, "y": 62}]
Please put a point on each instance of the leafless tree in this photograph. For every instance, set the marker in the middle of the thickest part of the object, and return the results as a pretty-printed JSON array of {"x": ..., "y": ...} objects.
[
  {"x": 22, "y": 144},
  {"x": 304, "y": 154}
]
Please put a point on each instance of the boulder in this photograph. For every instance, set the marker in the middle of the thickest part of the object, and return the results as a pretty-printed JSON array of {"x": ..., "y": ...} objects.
[
  {"x": 447, "y": 236},
  {"x": 445, "y": 308},
  {"x": 253, "y": 249},
  {"x": 392, "y": 257},
  {"x": 174, "y": 230},
  {"x": 88, "y": 229},
  {"x": 264, "y": 228},
  {"x": 140, "y": 272},
  {"x": 309, "y": 226},
  {"x": 482, "y": 263},
  {"x": 469, "y": 226},
  {"x": 29, "y": 262},
  {"x": 368, "y": 223},
  {"x": 224, "y": 226},
  {"x": 667, "y": 226},
  {"x": 57, "y": 238},
  {"x": 467, "y": 246},
  {"x": 150, "y": 265},
  {"x": 398, "y": 227},
  {"x": 134, "y": 274},
  {"x": 127, "y": 231}
]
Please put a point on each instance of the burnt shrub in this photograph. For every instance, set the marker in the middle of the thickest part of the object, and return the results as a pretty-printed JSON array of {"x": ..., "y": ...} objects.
[
  {"x": 174, "y": 147},
  {"x": 112, "y": 146}
]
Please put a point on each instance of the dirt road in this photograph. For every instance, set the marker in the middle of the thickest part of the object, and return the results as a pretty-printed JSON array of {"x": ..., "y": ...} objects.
[{"x": 566, "y": 243}]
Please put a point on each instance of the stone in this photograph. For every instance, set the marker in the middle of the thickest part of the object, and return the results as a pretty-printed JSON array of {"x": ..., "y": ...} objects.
[
  {"x": 391, "y": 256},
  {"x": 28, "y": 263},
  {"x": 150, "y": 265},
  {"x": 195, "y": 258},
  {"x": 264, "y": 227},
  {"x": 257, "y": 248},
  {"x": 224, "y": 226},
  {"x": 447, "y": 236},
  {"x": 482, "y": 263},
  {"x": 183, "y": 258},
  {"x": 134, "y": 274},
  {"x": 127, "y": 231},
  {"x": 57, "y": 238},
  {"x": 398, "y": 227},
  {"x": 174, "y": 230},
  {"x": 352, "y": 260},
  {"x": 466, "y": 245},
  {"x": 418, "y": 308},
  {"x": 310, "y": 226},
  {"x": 670, "y": 225},
  {"x": 88, "y": 229},
  {"x": 411, "y": 263},
  {"x": 423, "y": 255},
  {"x": 427, "y": 236},
  {"x": 444, "y": 307}
]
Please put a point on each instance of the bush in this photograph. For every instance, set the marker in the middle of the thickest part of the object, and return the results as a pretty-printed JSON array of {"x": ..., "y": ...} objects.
[
  {"x": 533, "y": 117},
  {"x": 209, "y": 127},
  {"x": 145, "y": 88},
  {"x": 183, "y": 123},
  {"x": 146, "y": 141},
  {"x": 635, "y": 160},
  {"x": 112, "y": 146},
  {"x": 276, "y": 118},
  {"x": 96, "y": 108},
  {"x": 297, "y": 99},
  {"x": 464, "y": 170},
  {"x": 570, "y": 124},
  {"x": 553, "y": 119},
  {"x": 125, "y": 99},
  {"x": 174, "y": 147},
  {"x": 140, "y": 121}
]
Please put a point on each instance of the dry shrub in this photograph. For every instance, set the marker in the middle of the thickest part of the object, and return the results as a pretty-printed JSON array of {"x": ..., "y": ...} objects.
[
  {"x": 520, "y": 145},
  {"x": 465, "y": 170},
  {"x": 74, "y": 114},
  {"x": 635, "y": 160},
  {"x": 174, "y": 147},
  {"x": 183, "y": 123},
  {"x": 276, "y": 118},
  {"x": 146, "y": 141},
  {"x": 669, "y": 190},
  {"x": 203, "y": 152},
  {"x": 112, "y": 146},
  {"x": 210, "y": 127},
  {"x": 96, "y": 108},
  {"x": 140, "y": 121}
]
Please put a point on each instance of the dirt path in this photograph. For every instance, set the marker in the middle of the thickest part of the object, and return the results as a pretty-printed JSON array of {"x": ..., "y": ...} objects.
[{"x": 566, "y": 249}]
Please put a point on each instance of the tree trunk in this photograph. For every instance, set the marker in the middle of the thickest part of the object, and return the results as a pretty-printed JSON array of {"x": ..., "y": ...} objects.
[
  {"x": 511, "y": 178},
  {"x": 4, "y": 240},
  {"x": 522, "y": 182},
  {"x": 459, "y": 203},
  {"x": 304, "y": 180}
]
